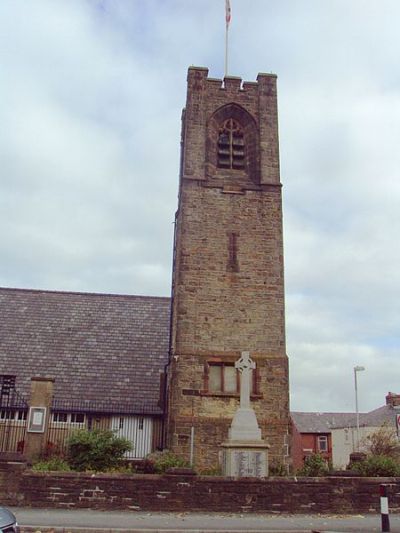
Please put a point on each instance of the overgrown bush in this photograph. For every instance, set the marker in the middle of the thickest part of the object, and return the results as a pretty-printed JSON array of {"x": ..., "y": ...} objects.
[
  {"x": 54, "y": 464},
  {"x": 166, "y": 459},
  {"x": 376, "y": 466},
  {"x": 314, "y": 466},
  {"x": 277, "y": 468},
  {"x": 145, "y": 466},
  {"x": 383, "y": 454},
  {"x": 382, "y": 442},
  {"x": 97, "y": 450},
  {"x": 212, "y": 471}
]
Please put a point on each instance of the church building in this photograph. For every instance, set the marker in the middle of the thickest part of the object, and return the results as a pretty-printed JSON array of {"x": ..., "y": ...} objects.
[{"x": 166, "y": 367}]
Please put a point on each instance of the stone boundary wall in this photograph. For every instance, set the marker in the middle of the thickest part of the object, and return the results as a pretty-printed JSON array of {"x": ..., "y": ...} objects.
[{"x": 195, "y": 493}]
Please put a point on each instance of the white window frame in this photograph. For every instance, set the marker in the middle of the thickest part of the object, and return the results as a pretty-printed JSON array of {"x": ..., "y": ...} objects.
[
  {"x": 15, "y": 417},
  {"x": 69, "y": 420},
  {"x": 324, "y": 439}
]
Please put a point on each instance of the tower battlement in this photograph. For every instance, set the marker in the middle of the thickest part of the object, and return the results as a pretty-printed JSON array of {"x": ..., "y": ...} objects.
[{"x": 231, "y": 83}]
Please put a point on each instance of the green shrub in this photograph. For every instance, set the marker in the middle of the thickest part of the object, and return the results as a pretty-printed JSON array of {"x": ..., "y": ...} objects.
[
  {"x": 212, "y": 471},
  {"x": 376, "y": 466},
  {"x": 97, "y": 450},
  {"x": 145, "y": 466},
  {"x": 277, "y": 468},
  {"x": 54, "y": 464},
  {"x": 314, "y": 466},
  {"x": 166, "y": 459},
  {"x": 123, "y": 468}
]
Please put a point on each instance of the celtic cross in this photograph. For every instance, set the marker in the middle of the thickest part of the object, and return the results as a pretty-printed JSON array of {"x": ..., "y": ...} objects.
[{"x": 245, "y": 365}]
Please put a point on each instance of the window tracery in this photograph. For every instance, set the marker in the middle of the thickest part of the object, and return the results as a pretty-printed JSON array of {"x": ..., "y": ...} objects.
[{"x": 231, "y": 146}]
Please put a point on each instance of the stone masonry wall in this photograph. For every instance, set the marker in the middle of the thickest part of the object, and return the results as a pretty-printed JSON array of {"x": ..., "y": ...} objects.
[
  {"x": 207, "y": 494},
  {"x": 220, "y": 310},
  {"x": 211, "y": 413}
]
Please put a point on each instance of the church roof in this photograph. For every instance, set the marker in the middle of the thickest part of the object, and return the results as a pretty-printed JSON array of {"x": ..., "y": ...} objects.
[{"x": 101, "y": 349}]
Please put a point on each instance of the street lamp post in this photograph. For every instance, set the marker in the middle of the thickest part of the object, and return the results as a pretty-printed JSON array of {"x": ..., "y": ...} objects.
[{"x": 357, "y": 369}]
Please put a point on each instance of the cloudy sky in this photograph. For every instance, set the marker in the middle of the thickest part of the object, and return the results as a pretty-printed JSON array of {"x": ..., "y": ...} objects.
[{"x": 90, "y": 100}]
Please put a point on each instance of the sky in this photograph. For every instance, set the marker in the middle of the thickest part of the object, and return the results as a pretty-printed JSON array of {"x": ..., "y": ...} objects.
[{"x": 91, "y": 93}]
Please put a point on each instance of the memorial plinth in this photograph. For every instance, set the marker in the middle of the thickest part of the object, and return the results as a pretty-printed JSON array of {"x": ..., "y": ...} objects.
[
  {"x": 245, "y": 453},
  {"x": 245, "y": 458}
]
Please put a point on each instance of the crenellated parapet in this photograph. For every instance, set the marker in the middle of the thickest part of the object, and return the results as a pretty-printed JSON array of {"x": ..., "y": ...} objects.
[{"x": 199, "y": 75}]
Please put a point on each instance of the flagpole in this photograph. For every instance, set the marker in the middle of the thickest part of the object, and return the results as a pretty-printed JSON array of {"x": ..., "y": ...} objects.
[
  {"x": 227, "y": 22},
  {"x": 226, "y": 48}
]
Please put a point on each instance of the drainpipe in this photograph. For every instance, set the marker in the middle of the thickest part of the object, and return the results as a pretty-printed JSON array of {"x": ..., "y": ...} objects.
[{"x": 166, "y": 367}]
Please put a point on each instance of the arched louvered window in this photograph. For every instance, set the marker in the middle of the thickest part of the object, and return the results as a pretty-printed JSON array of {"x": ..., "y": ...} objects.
[{"x": 231, "y": 145}]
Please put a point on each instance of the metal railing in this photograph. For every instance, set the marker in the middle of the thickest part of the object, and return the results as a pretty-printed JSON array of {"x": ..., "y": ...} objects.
[
  {"x": 13, "y": 414},
  {"x": 141, "y": 424}
]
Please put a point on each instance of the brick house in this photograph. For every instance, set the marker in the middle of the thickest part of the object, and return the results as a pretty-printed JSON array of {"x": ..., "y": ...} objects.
[
  {"x": 344, "y": 435},
  {"x": 333, "y": 435},
  {"x": 312, "y": 433},
  {"x": 111, "y": 356}
]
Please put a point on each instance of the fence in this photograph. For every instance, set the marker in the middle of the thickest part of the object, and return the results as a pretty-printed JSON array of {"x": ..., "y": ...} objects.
[
  {"x": 143, "y": 430},
  {"x": 13, "y": 414}
]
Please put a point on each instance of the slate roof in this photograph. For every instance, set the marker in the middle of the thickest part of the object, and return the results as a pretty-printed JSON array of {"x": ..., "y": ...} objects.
[
  {"x": 320, "y": 422},
  {"x": 383, "y": 415},
  {"x": 103, "y": 348},
  {"x": 325, "y": 422}
]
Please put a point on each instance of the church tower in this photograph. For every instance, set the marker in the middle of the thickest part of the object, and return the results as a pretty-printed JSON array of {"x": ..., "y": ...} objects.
[{"x": 228, "y": 287}]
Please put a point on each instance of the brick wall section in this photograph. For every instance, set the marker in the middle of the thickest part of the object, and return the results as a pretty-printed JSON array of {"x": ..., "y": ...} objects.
[
  {"x": 296, "y": 448},
  {"x": 192, "y": 493},
  {"x": 10, "y": 483},
  {"x": 217, "y": 311}
]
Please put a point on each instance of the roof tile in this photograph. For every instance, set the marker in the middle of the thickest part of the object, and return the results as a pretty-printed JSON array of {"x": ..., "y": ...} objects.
[{"x": 97, "y": 346}]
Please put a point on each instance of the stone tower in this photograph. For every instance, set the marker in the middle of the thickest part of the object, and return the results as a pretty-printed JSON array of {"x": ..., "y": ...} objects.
[{"x": 228, "y": 290}]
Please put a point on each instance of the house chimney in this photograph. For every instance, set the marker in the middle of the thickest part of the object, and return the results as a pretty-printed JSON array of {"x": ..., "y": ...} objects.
[{"x": 393, "y": 399}]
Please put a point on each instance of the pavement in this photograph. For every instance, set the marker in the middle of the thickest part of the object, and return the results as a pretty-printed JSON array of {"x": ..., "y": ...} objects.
[{"x": 91, "y": 521}]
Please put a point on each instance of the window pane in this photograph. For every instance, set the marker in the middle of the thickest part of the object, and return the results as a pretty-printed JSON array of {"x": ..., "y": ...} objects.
[
  {"x": 7, "y": 415},
  {"x": 77, "y": 418},
  {"x": 214, "y": 378},
  {"x": 323, "y": 443},
  {"x": 59, "y": 417},
  {"x": 230, "y": 384}
]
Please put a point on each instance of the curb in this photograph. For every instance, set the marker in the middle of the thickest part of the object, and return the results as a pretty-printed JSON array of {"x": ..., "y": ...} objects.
[{"x": 47, "y": 529}]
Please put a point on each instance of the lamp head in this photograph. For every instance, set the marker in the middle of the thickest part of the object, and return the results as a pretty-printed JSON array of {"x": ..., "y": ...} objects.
[{"x": 359, "y": 368}]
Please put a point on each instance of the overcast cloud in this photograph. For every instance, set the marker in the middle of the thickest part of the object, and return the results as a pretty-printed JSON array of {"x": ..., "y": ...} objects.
[{"x": 90, "y": 101}]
